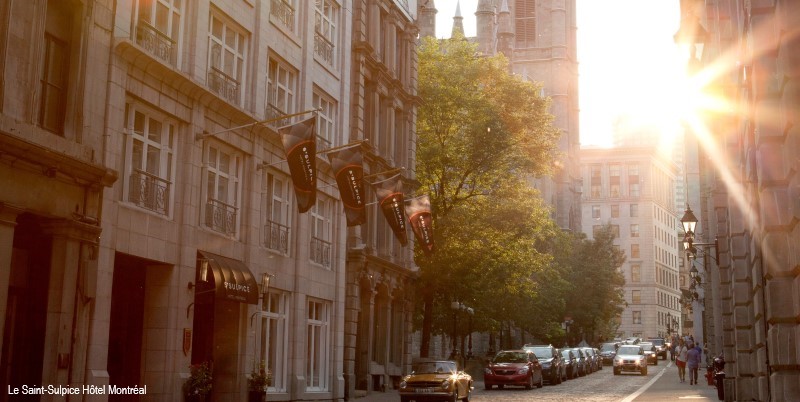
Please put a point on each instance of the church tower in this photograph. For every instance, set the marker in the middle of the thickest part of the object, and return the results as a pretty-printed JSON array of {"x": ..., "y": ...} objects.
[
  {"x": 505, "y": 31},
  {"x": 486, "y": 20},
  {"x": 458, "y": 21},
  {"x": 427, "y": 18}
]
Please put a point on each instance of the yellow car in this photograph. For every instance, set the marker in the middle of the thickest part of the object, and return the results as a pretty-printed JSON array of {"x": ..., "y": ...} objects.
[{"x": 435, "y": 380}]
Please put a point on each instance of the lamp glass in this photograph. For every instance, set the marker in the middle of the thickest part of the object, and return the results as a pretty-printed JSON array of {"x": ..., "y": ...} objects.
[
  {"x": 265, "y": 278},
  {"x": 689, "y": 221},
  {"x": 204, "y": 270},
  {"x": 693, "y": 272}
]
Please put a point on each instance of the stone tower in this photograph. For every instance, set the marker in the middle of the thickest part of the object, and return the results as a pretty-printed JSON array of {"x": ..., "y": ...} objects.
[
  {"x": 486, "y": 20},
  {"x": 427, "y": 18}
]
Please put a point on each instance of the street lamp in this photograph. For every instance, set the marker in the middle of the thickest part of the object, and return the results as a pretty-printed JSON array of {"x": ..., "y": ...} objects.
[
  {"x": 471, "y": 312},
  {"x": 455, "y": 306}
]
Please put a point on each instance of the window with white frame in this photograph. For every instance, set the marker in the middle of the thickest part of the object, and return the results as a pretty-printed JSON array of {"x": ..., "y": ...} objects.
[
  {"x": 317, "y": 345},
  {"x": 227, "y": 44},
  {"x": 326, "y": 13},
  {"x": 281, "y": 88},
  {"x": 326, "y": 121},
  {"x": 277, "y": 211},
  {"x": 321, "y": 217},
  {"x": 273, "y": 338},
  {"x": 159, "y": 28},
  {"x": 149, "y": 158},
  {"x": 222, "y": 188}
]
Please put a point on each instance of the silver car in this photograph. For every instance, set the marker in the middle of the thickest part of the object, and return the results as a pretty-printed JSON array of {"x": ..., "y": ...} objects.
[{"x": 630, "y": 358}]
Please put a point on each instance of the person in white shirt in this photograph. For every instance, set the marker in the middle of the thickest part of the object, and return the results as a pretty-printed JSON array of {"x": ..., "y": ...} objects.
[{"x": 681, "y": 353}]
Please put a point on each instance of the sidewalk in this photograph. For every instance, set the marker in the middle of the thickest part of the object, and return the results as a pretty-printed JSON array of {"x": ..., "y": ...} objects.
[{"x": 666, "y": 387}]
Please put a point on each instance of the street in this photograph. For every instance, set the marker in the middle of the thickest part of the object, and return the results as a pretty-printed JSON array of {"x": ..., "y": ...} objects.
[{"x": 660, "y": 384}]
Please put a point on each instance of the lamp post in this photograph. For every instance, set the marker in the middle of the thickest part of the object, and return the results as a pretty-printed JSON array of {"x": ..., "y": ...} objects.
[
  {"x": 455, "y": 306},
  {"x": 471, "y": 312}
]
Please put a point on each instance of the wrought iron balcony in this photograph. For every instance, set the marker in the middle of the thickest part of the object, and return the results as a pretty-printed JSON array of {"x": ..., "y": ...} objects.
[
  {"x": 323, "y": 48},
  {"x": 149, "y": 191},
  {"x": 277, "y": 237},
  {"x": 273, "y": 112},
  {"x": 224, "y": 85},
  {"x": 221, "y": 217},
  {"x": 320, "y": 252},
  {"x": 284, "y": 12},
  {"x": 154, "y": 41}
]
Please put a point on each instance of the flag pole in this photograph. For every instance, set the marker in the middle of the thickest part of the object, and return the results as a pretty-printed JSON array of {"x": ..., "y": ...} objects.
[{"x": 204, "y": 134}]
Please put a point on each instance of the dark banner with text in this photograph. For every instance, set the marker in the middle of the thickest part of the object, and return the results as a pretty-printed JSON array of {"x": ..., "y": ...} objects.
[
  {"x": 348, "y": 167},
  {"x": 391, "y": 200},
  {"x": 299, "y": 141},
  {"x": 421, "y": 220}
]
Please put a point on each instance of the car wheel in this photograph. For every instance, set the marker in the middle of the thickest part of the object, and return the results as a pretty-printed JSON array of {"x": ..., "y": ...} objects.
[
  {"x": 454, "y": 397},
  {"x": 500, "y": 386},
  {"x": 404, "y": 399},
  {"x": 466, "y": 398},
  {"x": 616, "y": 372},
  {"x": 487, "y": 386}
]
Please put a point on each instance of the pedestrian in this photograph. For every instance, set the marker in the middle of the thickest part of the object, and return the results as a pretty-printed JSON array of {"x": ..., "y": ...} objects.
[
  {"x": 680, "y": 360},
  {"x": 693, "y": 362}
]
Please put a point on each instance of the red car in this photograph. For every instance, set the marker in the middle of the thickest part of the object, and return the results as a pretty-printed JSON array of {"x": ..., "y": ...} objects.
[{"x": 513, "y": 367}]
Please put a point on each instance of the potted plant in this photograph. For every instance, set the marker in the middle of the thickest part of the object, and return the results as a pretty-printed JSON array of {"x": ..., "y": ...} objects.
[
  {"x": 257, "y": 383},
  {"x": 198, "y": 386}
]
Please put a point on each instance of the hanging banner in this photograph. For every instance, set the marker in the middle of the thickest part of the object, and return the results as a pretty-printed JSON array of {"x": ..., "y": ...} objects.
[
  {"x": 421, "y": 220},
  {"x": 299, "y": 142},
  {"x": 391, "y": 200},
  {"x": 349, "y": 171}
]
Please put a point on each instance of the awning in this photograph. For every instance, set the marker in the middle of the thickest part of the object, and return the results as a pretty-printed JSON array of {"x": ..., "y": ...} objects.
[{"x": 232, "y": 279}]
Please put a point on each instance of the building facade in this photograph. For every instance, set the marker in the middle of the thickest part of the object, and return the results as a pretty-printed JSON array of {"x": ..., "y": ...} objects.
[
  {"x": 149, "y": 217},
  {"x": 632, "y": 189},
  {"x": 539, "y": 39},
  {"x": 750, "y": 191}
]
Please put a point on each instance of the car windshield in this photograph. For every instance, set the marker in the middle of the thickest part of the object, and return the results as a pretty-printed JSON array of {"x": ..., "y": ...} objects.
[
  {"x": 542, "y": 353},
  {"x": 511, "y": 357},
  {"x": 565, "y": 353},
  {"x": 608, "y": 347},
  {"x": 658, "y": 342},
  {"x": 628, "y": 350},
  {"x": 434, "y": 367}
]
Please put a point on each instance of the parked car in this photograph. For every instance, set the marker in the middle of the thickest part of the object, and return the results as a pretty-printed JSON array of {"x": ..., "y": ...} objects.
[
  {"x": 581, "y": 363},
  {"x": 592, "y": 359},
  {"x": 661, "y": 347},
  {"x": 630, "y": 358},
  {"x": 570, "y": 363},
  {"x": 650, "y": 352},
  {"x": 607, "y": 352},
  {"x": 513, "y": 367},
  {"x": 435, "y": 379},
  {"x": 553, "y": 368}
]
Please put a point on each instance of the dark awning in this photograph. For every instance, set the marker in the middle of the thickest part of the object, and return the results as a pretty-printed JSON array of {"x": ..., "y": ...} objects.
[{"x": 232, "y": 279}]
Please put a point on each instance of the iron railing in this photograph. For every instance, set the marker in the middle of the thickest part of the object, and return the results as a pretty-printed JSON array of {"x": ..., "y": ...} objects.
[
  {"x": 284, "y": 12},
  {"x": 221, "y": 217},
  {"x": 149, "y": 191},
  {"x": 320, "y": 252},
  {"x": 273, "y": 112},
  {"x": 277, "y": 237},
  {"x": 323, "y": 48},
  {"x": 155, "y": 42},
  {"x": 224, "y": 85}
]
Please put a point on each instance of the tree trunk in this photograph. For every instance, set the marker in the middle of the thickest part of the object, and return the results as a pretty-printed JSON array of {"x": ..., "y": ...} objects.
[{"x": 427, "y": 325}]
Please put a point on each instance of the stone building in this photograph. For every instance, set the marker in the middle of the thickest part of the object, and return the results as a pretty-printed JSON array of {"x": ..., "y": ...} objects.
[
  {"x": 632, "y": 189},
  {"x": 149, "y": 218},
  {"x": 749, "y": 190},
  {"x": 539, "y": 39}
]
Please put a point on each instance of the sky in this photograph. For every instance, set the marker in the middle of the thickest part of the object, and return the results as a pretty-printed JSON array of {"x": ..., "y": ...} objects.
[{"x": 628, "y": 62}]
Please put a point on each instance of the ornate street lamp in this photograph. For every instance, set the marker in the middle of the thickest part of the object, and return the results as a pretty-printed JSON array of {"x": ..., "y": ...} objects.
[
  {"x": 471, "y": 312},
  {"x": 455, "y": 306},
  {"x": 689, "y": 223}
]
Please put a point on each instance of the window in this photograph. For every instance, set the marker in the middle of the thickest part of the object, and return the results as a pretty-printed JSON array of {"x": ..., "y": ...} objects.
[
  {"x": 635, "y": 251},
  {"x": 281, "y": 87},
  {"x": 614, "y": 181},
  {"x": 636, "y": 297},
  {"x": 525, "y": 23},
  {"x": 150, "y": 159},
  {"x": 55, "y": 67},
  {"x": 278, "y": 212},
  {"x": 273, "y": 339},
  {"x": 321, "y": 215},
  {"x": 227, "y": 46},
  {"x": 158, "y": 28},
  {"x": 283, "y": 12},
  {"x": 615, "y": 211},
  {"x": 596, "y": 211},
  {"x": 634, "y": 210},
  {"x": 636, "y": 273},
  {"x": 326, "y": 13},
  {"x": 637, "y": 317},
  {"x": 318, "y": 335},
  {"x": 595, "y": 181},
  {"x": 326, "y": 121},
  {"x": 615, "y": 231},
  {"x": 223, "y": 172},
  {"x": 634, "y": 230}
]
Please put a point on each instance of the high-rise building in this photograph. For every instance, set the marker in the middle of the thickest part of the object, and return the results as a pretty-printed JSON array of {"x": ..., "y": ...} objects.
[
  {"x": 631, "y": 189},
  {"x": 539, "y": 39}
]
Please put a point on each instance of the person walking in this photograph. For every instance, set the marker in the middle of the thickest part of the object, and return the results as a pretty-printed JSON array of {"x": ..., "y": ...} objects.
[
  {"x": 693, "y": 363},
  {"x": 680, "y": 360}
]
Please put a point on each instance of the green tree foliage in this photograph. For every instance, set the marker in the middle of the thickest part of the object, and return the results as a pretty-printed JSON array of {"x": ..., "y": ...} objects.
[{"x": 482, "y": 133}]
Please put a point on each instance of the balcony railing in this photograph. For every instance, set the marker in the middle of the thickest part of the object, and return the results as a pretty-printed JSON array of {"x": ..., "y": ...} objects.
[
  {"x": 277, "y": 237},
  {"x": 224, "y": 85},
  {"x": 273, "y": 112},
  {"x": 323, "y": 48},
  {"x": 221, "y": 217},
  {"x": 155, "y": 42},
  {"x": 320, "y": 252},
  {"x": 149, "y": 191},
  {"x": 284, "y": 12}
]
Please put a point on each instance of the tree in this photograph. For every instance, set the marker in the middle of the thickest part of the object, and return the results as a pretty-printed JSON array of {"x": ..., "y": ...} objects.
[{"x": 481, "y": 132}]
